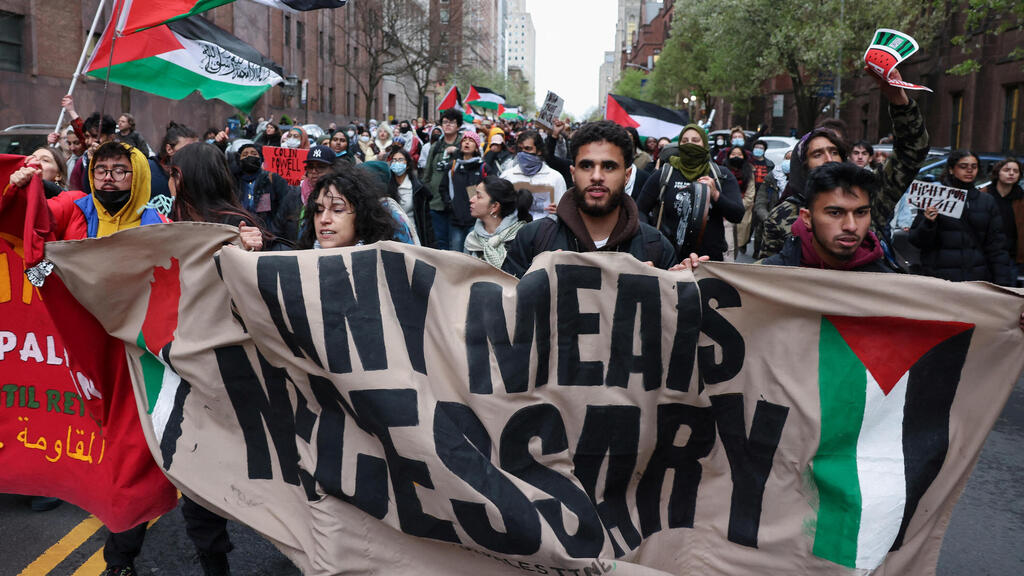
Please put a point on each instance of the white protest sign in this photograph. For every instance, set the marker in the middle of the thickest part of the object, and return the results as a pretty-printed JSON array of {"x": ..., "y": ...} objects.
[
  {"x": 949, "y": 201},
  {"x": 551, "y": 110}
]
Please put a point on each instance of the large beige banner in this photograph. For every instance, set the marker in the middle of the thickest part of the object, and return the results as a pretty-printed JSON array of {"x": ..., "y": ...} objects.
[{"x": 391, "y": 409}]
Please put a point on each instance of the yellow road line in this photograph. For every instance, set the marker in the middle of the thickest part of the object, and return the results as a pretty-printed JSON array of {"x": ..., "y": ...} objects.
[
  {"x": 95, "y": 564},
  {"x": 66, "y": 545}
]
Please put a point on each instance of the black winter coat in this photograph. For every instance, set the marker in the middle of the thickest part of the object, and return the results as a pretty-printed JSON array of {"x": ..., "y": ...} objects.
[
  {"x": 972, "y": 247},
  {"x": 268, "y": 194},
  {"x": 462, "y": 176}
]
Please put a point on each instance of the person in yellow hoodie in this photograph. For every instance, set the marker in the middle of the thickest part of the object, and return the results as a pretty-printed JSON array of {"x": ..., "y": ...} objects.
[{"x": 119, "y": 177}]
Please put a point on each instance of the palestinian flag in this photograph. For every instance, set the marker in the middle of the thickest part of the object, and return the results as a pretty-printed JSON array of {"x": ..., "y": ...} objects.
[
  {"x": 886, "y": 386},
  {"x": 650, "y": 120},
  {"x": 513, "y": 113},
  {"x": 165, "y": 390},
  {"x": 183, "y": 57},
  {"x": 138, "y": 15},
  {"x": 451, "y": 101},
  {"x": 484, "y": 98}
]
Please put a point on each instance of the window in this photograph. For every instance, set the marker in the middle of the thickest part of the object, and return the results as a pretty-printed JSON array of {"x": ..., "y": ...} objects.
[
  {"x": 300, "y": 35},
  {"x": 11, "y": 26},
  {"x": 444, "y": 15},
  {"x": 958, "y": 118},
  {"x": 287, "y": 31},
  {"x": 1011, "y": 116}
]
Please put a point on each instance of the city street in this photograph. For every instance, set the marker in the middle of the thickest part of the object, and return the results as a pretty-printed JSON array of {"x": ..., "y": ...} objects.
[{"x": 983, "y": 539}]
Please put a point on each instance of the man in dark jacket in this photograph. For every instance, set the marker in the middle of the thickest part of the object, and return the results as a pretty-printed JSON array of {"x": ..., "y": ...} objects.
[
  {"x": 833, "y": 230},
  {"x": 664, "y": 205},
  {"x": 260, "y": 192},
  {"x": 596, "y": 214},
  {"x": 442, "y": 155}
]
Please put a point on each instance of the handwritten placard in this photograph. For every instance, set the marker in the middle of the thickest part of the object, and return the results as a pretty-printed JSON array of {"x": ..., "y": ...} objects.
[
  {"x": 551, "y": 110},
  {"x": 289, "y": 163},
  {"x": 543, "y": 196},
  {"x": 949, "y": 201}
]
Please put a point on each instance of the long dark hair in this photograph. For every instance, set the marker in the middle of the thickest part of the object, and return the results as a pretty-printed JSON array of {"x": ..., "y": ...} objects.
[
  {"x": 206, "y": 192},
  {"x": 994, "y": 177},
  {"x": 508, "y": 198},
  {"x": 953, "y": 160},
  {"x": 364, "y": 194},
  {"x": 174, "y": 133}
]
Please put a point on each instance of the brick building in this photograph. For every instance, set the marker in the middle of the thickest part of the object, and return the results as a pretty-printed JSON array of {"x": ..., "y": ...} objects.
[
  {"x": 41, "y": 40},
  {"x": 649, "y": 38}
]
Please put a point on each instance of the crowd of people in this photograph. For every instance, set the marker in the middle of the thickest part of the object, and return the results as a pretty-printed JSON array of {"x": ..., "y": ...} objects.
[{"x": 505, "y": 192}]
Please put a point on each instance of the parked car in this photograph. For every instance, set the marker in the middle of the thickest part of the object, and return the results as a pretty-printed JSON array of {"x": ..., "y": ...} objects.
[
  {"x": 24, "y": 138},
  {"x": 777, "y": 147},
  {"x": 934, "y": 168}
]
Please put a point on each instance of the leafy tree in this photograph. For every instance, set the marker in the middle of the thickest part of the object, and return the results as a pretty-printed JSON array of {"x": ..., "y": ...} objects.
[
  {"x": 987, "y": 18},
  {"x": 517, "y": 92},
  {"x": 632, "y": 84},
  {"x": 727, "y": 48}
]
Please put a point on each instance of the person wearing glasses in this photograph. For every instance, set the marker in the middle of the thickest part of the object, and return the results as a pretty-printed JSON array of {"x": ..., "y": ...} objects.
[
  {"x": 971, "y": 247},
  {"x": 441, "y": 157}
]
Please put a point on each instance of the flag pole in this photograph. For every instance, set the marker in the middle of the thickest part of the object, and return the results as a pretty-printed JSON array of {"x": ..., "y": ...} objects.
[{"x": 81, "y": 59}]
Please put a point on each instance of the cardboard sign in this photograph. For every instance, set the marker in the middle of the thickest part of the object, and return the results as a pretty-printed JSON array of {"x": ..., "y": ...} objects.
[
  {"x": 887, "y": 50},
  {"x": 949, "y": 201},
  {"x": 422, "y": 412},
  {"x": 543, "y": 196},
  {"x": 551, "y": 110},
  {"x": 289, "y": 163}
]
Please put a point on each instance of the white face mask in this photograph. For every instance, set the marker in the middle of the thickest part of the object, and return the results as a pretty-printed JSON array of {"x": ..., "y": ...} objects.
[{"x": 290, "y": 143}]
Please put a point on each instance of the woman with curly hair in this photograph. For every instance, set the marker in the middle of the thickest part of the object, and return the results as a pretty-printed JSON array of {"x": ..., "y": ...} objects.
[{"x": 345, "y": 209}]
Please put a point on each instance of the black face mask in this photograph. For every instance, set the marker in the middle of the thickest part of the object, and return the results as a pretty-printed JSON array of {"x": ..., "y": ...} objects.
[
  {"x": 113, "y": 200},
  {"x": 736, "y": 162},
  {"x": 405, "y": 129},
  {"x": 250, "y": 164},
  {"x": 435, "y": 137}
]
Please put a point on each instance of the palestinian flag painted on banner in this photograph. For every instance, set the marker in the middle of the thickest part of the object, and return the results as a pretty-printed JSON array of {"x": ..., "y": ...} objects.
[
  {"x": 886, "y": 386},
  {"x": 451, "y": 101},
  {"x": 183, "y": 57},
  {"x": 165, "y": 390},
  {"x": 484, "y": 98},
  {"x": 138, "y": 15},
  {"x": 650, "y": 120}
]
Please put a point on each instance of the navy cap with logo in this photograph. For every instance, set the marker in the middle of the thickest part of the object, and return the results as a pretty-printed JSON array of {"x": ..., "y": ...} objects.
[{"x": 321, "y": 154}]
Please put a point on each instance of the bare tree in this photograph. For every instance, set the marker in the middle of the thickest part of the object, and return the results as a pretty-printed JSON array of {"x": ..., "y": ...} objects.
[{"x": 374, "y": 57}]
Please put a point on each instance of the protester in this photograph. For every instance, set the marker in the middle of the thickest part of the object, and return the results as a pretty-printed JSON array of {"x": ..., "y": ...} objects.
[
  {"x": 530, "y": 168},
  {"x": 434, "y": 136},
  {"x": 339, "y": 143},
  {"x": 1006, "y": 190},
  {"x": 368, "y": 148},
  {"x": 441, "y": 156},
  {"x": 643, "y": 159},
  {"x": 76, "y": 148},
  {"x": 405, "y": 227},
  {"x": 824, "y": 145},
  {"x": 760, "y": 165},
  {"x": 410, "y": 140},
  {"x": 743, "y": 171},
  {"x": 49, "y": 163},
  {"x": 971, "y": 247},
  {"x": 768, "y": 196},
  {"x": 260, "y": 192},
  {"x": 271, "y": 136},
  {"x": 382, "y": 140},
  {"x": 596, "y": 214},
  {"x": 457, "y": 184},
  {"x": 127, "y": 133},
  {"x": 497, "y": 157},
  {"x": 861, "y": 153},
  {"x": 295, "y": 138},
  {"x": 92, "y": 132},
  {"x": 663, "y": 204},
  {"x": 411, "y": 194},
  {"x": 737, "y": 139},
  {"x": 500, "y": 212},
  {"x": 175, "y": 138},
  {"x": 344, "y": 209}
]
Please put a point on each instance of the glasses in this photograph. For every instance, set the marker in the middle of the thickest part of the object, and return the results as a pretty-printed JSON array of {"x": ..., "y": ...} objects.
[{"x": 118, "y": 174}]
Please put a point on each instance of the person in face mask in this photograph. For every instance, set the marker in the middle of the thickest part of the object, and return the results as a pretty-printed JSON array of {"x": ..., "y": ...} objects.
[
  {"x": 769, "y": 194},
  {"x": 663, "y": 206},
  {"x": 367, "y": 146},
  {"x": 971, "y": 247},
  {"x": 744, "y": 173},
  {"x": 434, "y": 136},
  {"x": 545, "y": 182},
  {"x": 260, "y": 192},
  {"x": 761, "y": 165},
  {"x": 737, "y": 139},
  {"x": 295, "y": 138},
  {"x": 410, "y": 192},
  {"x": 339, "y": 143}
]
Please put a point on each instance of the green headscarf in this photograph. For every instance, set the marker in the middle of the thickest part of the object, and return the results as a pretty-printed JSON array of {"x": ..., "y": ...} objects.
[{"x": 693, "y": 160}]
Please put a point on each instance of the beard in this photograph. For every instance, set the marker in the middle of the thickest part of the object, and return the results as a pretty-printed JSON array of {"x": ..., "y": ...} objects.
[{"x": 612, "y": 201}]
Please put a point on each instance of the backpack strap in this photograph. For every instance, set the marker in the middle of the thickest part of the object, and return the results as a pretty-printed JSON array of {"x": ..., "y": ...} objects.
[{"x": 666, "y": 175}]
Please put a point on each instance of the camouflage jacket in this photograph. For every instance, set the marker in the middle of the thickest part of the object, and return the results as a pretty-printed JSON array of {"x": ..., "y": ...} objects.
[{"x": 909, "y": 151}]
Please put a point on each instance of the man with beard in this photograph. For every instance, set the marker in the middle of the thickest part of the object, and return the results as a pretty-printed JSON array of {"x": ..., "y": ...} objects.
[{"x": 595, "y": 215}]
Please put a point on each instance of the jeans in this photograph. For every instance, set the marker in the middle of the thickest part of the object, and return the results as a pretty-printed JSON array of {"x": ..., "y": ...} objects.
[
  {"x": 457, "y": 237},
  {"x": 440, "y": 221}
]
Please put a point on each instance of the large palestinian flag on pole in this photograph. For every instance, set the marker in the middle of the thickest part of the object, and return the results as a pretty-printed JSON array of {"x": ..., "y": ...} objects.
[
  {"x": 886, "y": 388},
  {"x": 650, "y": 120},
  {"x": 486, "y": 98},
  {"x": 183, "y": 57},
  {"x": 139, "y": 15}
]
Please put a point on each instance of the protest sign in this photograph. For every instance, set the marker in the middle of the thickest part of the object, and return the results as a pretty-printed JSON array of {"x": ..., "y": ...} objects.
[
  {"x": 551, "y": 110},
  {"x": 543, "y": 196},
  {"x": 888, "y": 48},
  {"x": 288, "y": 163},
  {"x": 390, "y": 408},
  {"x": 948, "y": 200},
  {"x": 61, "y": 433}
]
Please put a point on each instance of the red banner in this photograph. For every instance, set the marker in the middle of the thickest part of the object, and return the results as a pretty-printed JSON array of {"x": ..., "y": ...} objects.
[
  {"x": 69, "y": 426},
  {"x": 289, "y": 163}
]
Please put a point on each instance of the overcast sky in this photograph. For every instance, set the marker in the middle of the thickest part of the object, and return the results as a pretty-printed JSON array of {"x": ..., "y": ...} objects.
[{"x": 572, "y": 37}]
